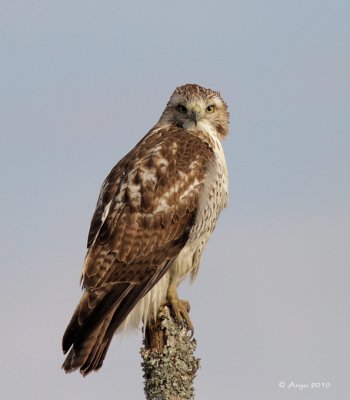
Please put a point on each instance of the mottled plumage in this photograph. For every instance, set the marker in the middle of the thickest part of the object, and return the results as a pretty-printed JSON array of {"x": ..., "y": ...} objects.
[{"x": 155, "y": 213}]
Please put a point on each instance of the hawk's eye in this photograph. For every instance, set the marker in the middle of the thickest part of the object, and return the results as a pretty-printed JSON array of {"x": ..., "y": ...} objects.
[
  {"x": 210, "y": 109},
  {"x": 182, "y": 109}
]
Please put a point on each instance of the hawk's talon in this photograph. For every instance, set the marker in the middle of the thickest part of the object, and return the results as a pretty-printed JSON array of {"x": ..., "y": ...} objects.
[
  {"x": 181, "y": 312},
  {"x": 181, "y": 309}
]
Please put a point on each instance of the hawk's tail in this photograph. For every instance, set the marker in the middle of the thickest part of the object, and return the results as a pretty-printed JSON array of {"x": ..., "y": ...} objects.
[
  {"x": 94, "y": 322},
  {"x": 88, "y": 336},
  {"x": 88, "y": 354}
]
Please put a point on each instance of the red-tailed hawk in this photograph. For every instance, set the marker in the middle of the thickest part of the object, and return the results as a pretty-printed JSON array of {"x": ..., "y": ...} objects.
[{"x": 156, "y": 211}]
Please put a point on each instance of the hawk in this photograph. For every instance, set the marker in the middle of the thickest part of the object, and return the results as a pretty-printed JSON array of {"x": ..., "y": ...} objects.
[{"x": 155, "y": 213}]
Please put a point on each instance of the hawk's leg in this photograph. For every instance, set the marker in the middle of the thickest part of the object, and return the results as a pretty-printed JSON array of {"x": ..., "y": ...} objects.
[{"x": 181, "y": 308}]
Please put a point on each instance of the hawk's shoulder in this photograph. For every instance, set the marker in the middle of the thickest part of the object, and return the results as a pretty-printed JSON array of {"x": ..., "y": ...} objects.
[{"x": 162, "y": 169}]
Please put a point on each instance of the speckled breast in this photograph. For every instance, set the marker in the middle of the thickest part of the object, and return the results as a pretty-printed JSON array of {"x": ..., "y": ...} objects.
[{"x": 212, "y": 200}]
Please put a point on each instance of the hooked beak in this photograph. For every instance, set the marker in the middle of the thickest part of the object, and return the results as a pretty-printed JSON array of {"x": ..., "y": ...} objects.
[{"x": 195, "y": 114}]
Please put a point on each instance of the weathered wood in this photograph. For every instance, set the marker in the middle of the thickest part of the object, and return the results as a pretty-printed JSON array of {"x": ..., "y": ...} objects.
[{"x": 169, "y": 363}]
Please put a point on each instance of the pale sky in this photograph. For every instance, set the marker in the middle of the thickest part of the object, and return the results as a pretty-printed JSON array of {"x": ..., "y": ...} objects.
[{"x": 82, "y": 82}]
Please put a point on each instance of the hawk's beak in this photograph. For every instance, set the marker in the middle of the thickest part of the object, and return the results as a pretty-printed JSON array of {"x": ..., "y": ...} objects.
[{"x": 195, "y": 114}]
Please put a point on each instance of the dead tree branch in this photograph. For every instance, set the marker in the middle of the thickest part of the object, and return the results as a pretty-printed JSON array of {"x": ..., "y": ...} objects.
[{"x": 169, "y": 364}]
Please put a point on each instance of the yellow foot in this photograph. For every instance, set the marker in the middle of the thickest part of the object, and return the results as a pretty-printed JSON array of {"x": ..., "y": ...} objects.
[{"x": 181, "y": 309}]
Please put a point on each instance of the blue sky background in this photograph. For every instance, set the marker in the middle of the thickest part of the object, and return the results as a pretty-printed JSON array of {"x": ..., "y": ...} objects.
[{"x": 81, "y": 83}]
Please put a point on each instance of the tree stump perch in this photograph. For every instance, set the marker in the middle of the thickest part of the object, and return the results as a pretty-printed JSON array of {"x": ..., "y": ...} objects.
[{"x": 169, "y": 364}]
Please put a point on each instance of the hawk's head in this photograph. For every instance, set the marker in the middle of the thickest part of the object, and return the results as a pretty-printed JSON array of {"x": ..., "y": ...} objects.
[{"x": 194, "y": 107}]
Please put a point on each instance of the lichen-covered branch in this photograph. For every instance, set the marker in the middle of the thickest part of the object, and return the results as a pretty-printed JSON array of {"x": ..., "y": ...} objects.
[{"x": 169, "y": 364}]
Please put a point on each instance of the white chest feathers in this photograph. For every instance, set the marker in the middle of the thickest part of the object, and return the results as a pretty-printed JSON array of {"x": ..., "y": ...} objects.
[
  {"x": 211, "y": 202},
  {"x": 214, "y": 195}
]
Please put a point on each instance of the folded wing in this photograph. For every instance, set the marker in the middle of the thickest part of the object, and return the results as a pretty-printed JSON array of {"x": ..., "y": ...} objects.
[{"x": 143, "y": 219}]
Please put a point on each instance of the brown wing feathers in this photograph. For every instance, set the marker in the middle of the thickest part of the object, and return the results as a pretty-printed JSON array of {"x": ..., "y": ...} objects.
[{"x": 152, "y": 197}]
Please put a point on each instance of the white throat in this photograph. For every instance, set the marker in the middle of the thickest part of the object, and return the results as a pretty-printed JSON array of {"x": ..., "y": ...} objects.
[{"x": 202, "y": 125}]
